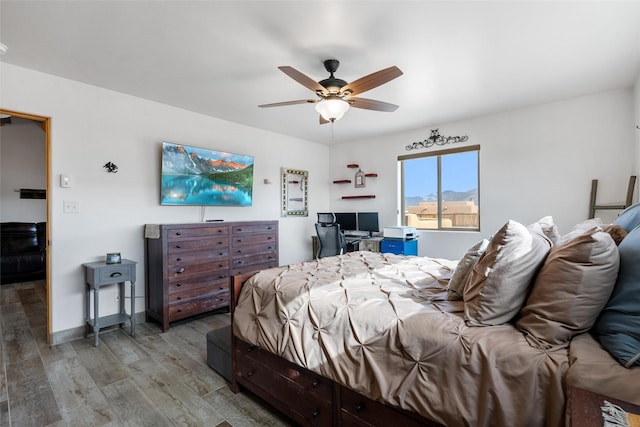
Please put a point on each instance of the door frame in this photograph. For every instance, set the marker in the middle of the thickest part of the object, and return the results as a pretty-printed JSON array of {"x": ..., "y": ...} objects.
[{"x": 45, "y": 122}]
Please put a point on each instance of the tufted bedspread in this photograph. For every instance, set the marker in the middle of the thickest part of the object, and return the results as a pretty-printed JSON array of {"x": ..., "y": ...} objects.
[{"x": 381, "y": 325}]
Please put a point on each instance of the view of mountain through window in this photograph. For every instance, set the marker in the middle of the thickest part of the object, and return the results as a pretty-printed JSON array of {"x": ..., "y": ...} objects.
[{"x": 440, "y": 189}]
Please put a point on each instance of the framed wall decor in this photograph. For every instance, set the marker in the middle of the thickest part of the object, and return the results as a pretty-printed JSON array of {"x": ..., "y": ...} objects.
[{"x": 294, "y": 185}]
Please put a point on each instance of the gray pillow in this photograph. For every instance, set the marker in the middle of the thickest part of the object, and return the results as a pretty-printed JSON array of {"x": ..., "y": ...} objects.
[
  {"x": 571, "y": 288},
  {"x": 455, "y": 289},
  {"x": 500, "y": 279},
  {"x": 618, "y": 327}
]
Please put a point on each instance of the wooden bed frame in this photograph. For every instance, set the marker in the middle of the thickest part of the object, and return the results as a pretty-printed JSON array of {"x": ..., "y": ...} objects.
[{"x": 307, "y": 398}]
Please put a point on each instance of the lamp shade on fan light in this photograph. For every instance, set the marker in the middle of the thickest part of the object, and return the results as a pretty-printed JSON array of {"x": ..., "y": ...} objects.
[{"x": 332, "y": 108}]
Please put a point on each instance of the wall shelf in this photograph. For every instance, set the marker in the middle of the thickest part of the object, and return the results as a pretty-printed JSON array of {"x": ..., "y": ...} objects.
[
  {"x": 342, "y": 181},
  {"x": 353, "y": 165},
  {"x": 371, "y": 175},
  {"x": 367, "y": 196}
]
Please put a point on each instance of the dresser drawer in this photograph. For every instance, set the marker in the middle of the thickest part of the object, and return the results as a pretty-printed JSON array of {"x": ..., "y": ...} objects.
[
  {"x": 186, "y": 293},
  {"x": 204, "y": 284},
  {"x": 252, "y": 228},
  {"x": 245, "y": 239},
  {"x": 196, "y": 232},
  {"x": 181, "y": 246},
  {"x": 253, "y": 248},
  {"x": 184, "y": 270},
  {"x": 200, "y": 305}
]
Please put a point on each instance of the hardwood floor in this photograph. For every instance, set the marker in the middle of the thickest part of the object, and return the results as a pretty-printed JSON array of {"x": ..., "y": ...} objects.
[{"x": 156, "y": 379}]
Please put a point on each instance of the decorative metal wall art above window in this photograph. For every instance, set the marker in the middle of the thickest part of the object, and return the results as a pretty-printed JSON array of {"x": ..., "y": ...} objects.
[{"x": 436, "y": 139}]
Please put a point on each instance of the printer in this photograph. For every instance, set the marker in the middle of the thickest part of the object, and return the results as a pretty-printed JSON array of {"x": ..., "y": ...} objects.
[{"x": 400, "y": 233}]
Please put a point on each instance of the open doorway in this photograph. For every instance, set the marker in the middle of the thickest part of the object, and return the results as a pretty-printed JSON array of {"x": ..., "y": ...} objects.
[{"x": 18, "y": 128}]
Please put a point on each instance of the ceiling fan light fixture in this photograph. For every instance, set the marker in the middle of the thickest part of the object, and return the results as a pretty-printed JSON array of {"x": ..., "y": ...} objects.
[{"x": 332, "y": 108}]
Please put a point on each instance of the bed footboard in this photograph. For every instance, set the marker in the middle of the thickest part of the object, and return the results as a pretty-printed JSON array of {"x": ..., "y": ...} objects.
[{"x": 305, "y": 397}]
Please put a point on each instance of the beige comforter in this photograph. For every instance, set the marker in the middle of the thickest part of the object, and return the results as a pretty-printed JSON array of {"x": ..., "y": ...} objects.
[{"x": 381, "y": 325}]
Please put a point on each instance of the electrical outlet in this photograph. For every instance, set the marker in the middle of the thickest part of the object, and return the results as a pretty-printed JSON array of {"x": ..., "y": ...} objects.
[{"x": 71, "y": 206}]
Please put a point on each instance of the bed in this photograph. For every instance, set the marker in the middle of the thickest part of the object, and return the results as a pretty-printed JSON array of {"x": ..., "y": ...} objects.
[{"x": 378, "y": 339}]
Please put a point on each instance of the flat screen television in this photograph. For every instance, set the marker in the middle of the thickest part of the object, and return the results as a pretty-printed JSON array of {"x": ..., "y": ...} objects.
[
  {"x": 368, "y": 221},
  {"x": 347, "y": 221},
  {"x": 200, "y": 176}
]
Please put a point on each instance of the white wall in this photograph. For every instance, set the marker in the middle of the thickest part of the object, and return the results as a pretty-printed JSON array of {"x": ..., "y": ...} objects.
[
  {"x": 534, "y": 162},
  {"x": 22, "y": 165},
  {"x": 91, "y": 126}
]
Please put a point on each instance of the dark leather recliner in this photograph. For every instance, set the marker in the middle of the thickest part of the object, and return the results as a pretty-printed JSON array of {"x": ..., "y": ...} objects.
[{"x": 22, "y": 251}]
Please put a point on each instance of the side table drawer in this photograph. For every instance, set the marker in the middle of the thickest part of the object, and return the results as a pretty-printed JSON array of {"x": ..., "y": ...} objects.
[{"x": 112, "y": 274}]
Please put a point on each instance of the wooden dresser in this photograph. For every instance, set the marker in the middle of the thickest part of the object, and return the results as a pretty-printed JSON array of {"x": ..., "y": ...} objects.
[{"x": 189, "y": 266}]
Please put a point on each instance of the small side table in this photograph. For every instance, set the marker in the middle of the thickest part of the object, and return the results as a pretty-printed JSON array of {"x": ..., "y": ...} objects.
[{"x": 98, "y": 274}]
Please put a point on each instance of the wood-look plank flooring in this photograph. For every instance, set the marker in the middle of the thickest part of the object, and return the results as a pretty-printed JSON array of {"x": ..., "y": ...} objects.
[{"x": 155, "y": 379}]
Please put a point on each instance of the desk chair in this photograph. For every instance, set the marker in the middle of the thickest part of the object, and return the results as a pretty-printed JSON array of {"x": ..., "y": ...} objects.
[{"x": 330, "y": 238}]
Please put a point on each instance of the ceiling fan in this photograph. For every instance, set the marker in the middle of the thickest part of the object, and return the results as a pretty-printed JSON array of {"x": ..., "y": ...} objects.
[{"x": 335, "y": 96}]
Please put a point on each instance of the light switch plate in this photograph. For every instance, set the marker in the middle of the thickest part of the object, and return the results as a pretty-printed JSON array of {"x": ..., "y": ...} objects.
[{"x": 65, "y": 181}]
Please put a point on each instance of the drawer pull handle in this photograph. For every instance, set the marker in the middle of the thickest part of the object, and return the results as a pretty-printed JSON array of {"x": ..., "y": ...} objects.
[
  {"x": 179, "y": 284},
  {"x": 179, "y": 298},
  {"x": 239, "y": 241},
  {"x": 239, "y": 230},
  {"x": 270, "y": 248},
  {"x": 269, "y": 227},
  {"x": 180, "y": 271},
  {"x": 269, "y": 238},
  {"x": 239, "y": 262},
  {"x": 178, "y": 233},
  {"x": 179, "y": 310},
  {"x": 360, "y": 407},
  {"x": 178, "y": 259},
  {"x": 116, "y": 274},
  {"x": 315, "y": 413},
  {"x": 314, "y": 384},
  {"x": 221, "y": 288},
  {"x": 250, "y": 373},
  {"x": 251, "y": 347},
  {"x": 222, "y": 276},
  {"x": 220, "y": 253}
]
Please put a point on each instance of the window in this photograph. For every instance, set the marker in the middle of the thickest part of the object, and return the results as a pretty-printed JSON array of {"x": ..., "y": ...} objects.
[{"x": 440, "y": 189}]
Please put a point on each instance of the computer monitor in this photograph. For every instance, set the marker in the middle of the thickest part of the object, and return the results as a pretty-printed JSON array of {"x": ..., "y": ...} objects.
[
  {"x": 347, "y": 221},
  {"x": 368, "y": 221}
]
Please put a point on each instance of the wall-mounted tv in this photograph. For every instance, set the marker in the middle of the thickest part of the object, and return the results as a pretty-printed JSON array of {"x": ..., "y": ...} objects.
[{"x": 200, "y": 176}]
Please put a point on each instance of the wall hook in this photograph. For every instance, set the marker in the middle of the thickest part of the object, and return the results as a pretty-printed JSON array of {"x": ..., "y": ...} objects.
[{"x": 111, "y": 167}]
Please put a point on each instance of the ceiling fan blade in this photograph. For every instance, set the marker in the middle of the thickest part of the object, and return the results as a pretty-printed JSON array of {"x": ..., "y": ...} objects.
[
  {"x": 371, "y": 104},
  {"x": 303, "y": 79},
  {"x": 370, "y": 81},
  {"x": 281, "y": 104},
  {"x": 323, "y": 120}
]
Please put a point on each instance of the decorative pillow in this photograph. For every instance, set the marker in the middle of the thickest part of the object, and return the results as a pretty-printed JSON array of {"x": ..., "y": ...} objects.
[
  {"x": 617, "y": 232},
  {"x": 571, "y": 288},
  {"x": 549, "y": 228},
  {"x": 455, "y": 289},
  {"x": 618, "y": 327},
  {"x": 500, "y": 279},
  {"x": 629, "y": 218}
]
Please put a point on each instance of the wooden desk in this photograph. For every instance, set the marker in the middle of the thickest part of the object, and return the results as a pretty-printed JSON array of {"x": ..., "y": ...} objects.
[{"x": 585, "y": 407}]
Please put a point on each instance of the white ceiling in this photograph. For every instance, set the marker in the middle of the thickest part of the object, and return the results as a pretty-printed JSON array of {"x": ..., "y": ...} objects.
[{"x": 220, "y": 58}]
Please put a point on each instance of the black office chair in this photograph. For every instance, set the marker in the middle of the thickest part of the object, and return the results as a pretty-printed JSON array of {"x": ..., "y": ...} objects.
[{"x": 330, "y": 238}]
